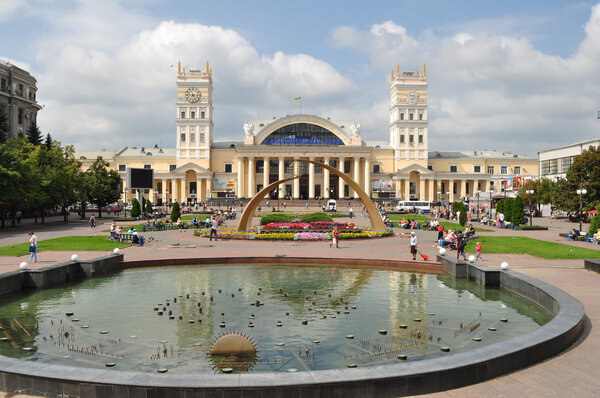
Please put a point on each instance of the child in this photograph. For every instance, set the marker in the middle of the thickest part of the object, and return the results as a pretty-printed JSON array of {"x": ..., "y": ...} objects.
[
  {"x": 478, "y": 248},
  {"x": 335, "y": 237}
]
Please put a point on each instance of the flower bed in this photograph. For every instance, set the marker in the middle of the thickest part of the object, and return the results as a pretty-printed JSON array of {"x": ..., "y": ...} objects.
[{"x": 231, "y": 233}]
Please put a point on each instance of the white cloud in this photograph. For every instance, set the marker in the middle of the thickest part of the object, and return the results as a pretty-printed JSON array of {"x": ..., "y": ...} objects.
[
  {"x": 490, "y": 90},
  {"x": 9, "y": 8},
  {"x": 124, "y": 93}
]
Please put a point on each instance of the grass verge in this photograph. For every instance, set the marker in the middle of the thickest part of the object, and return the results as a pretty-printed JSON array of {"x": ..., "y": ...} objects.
[
  {"x": 535, "y": 247},
  {"x": 68, "y": 243}
]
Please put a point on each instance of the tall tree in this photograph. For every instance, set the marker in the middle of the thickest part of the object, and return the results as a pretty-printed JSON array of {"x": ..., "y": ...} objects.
[
  {"x": 148, "y": 207},
  {"x": 104, "y": 184},
  {"x": 518, "y": 214},
  {"x": 175, "y": 211},
  {"x": 48, "y": 141},
  {"x": 4, "y": 133},
  {"x": 34, "y": 135},
  {"x": 135, "y": 208},
  {"x": 585, "y": 174}
]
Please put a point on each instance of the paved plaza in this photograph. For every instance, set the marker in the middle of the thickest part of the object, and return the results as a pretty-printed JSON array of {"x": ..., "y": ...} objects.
[{"x": 575, "y": 373}]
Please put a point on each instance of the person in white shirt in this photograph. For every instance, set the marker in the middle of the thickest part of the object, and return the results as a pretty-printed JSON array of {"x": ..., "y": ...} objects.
[
  {"x": 414, "y": 241},
  {"x": 33, "y": 244}
]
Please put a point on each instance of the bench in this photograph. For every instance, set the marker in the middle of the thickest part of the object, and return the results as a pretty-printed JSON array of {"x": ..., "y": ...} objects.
[
  {"x": 581, "y": 238},
  {"x": 122, "y": 237}
]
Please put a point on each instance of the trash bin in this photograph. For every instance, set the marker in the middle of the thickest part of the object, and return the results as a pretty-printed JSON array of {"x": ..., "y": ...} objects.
[{"x": 141, "y": 240}]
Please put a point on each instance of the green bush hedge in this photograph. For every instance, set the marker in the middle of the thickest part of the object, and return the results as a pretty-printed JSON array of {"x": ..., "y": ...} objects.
[
  {"x": 275, "y": 217},
  {"x": 316, "y": 217},
  {"x": 533, "y": 228}
]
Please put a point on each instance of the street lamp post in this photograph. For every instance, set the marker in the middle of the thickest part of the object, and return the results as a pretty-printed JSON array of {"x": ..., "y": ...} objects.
[
  {"x": 477, "y": 196},
  {"x": 530, "y": 193},
  {"x": 581, "y": 192}
]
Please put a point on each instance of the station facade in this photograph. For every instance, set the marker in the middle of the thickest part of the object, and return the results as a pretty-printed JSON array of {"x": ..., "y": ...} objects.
[{"x": 200, "y": 168}]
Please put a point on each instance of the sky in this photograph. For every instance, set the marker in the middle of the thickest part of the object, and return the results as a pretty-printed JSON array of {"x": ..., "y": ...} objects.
[{"x": 520, "y": 76}]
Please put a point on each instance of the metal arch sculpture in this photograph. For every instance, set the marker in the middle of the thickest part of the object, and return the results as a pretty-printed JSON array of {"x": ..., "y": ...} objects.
[
  {"x": 246, "y": 220},
  {"x": 376, "y": 222}
]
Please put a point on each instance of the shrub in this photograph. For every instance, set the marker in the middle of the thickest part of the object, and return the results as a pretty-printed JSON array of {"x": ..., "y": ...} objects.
[
  {"x": 316, "y": 217},
  {"x": 518, "y": 214},
  {"x": 594, "y": 224},
  {"x": 148, "y": 207},
  {"x": 135, "y": 208},
  {"x": 175, "y": 211},
  {"x": 460, "y": 206},
  {"x": 275, "y": 217}
]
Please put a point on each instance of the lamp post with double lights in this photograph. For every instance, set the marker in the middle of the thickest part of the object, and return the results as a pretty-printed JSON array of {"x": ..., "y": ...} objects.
[
  {"x": 530, "y": 193},
  {"x": 581, "y": 192}
]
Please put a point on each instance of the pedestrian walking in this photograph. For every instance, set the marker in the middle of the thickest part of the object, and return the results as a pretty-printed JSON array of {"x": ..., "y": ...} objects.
[
  {"x": 478, "y": 248},
  {"x": 92, "y": 221},
  {"x": 350, "y": 212},
  {"x": 214, "y": 224},
  {"x": 414, "y": 241},
  {"x": 335, "y": 237},
  {"x": 33, "y": 244}
]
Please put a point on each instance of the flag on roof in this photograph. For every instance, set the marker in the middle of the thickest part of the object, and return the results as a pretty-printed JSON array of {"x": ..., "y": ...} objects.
[{"x": 298, "y": 99}]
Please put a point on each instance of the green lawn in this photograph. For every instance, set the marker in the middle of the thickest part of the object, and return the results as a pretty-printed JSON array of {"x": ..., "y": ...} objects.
[
  {"x": 448, "y": 225},
  {"x": 69, "y": 243},
  {"x": 408, "y": 217},
  {"x": 535, "y": 247}
]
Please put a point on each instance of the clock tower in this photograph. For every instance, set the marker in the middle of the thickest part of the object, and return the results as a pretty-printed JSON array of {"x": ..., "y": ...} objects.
[
  {"x": 408, "y": 117},
  {"x": 194, "y": 119}
]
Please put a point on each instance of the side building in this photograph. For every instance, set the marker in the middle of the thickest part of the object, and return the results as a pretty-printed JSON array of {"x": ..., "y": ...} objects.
[
  {"x": 201, "y": 168},
  {"x": 18, "y": 95},
  {"x": 555, "y": 163}
]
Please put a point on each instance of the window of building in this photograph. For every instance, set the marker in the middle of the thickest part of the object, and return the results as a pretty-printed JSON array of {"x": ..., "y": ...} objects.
[
  {"x": 159, "y": 186},
  {"x": 202, "y": 115},
  {"x": 147, "y": 166},
  {"x": 411, "y": 116},
  {"x": 346, "y": 190},
  {"x": 182, "y": 137},
  {"x": 192, "y": 115},
  {"x": 201, "y": 137},
  {"x": 476, "y": 169},
  {"x": 20, "y": 116},
  {"x": 192, "y": 137},
  {"x": 565, "y": 164},
  {"x": 376, "y": 168},
  {"x": 420, "y": 138},
  {"x": 288, "y": 166},
  {"x": 402, "y": 138},
  {"x": 260, "y": 166},
  {"x": 411, "y": 139},
  {"x": 545, "y": 167},
  {"x": 183, "y": 114},
  {"x": 453, "y": 168},
  {"x": 3, "y": 84},
  {"x": 20, "y": 92},
  {"x": 467, "y": 188},
  {"x": 401, "y": 115},
  {"x": 443, "y": 188},
  {"x": 517, "y": 169},
  {"x": 122, "y": 167},
  {"x": 430, "y": 167},
  {"x": 172, "y": 167},
  {"x": 318, "y": 170},
  {"x": 553, "y": 166},
  {"x": 504, "y": 169},
  {"x": 228, "y": 167},
  {"x": 420, "y": 115},
  {"x": 490, "y": 169},
  {"x": 333, "y": 163},
  {"x": 455, "y": 188},
  {"x": 274, "y": 166},
  {"x": 347, "y": 166}
]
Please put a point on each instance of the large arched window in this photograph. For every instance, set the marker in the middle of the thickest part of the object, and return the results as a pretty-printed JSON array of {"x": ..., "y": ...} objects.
[{"x": 302, "y": 134}]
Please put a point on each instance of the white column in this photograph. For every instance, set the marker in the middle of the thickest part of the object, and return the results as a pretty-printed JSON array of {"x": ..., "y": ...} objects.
[
  {"x": 341, "y": 182},
  {"x": 250, "y": 177},
  {"x": 240, "y": 176},
  {"x": 325, "y": 193},
  {"x": 296, "y": 186},
  {"x": 266, "y": 171},
  {"x": 406, "y": 195},
  {"x": 422, "y": 188},
  {"x": 175, "y": 193},
  {"x": 311, "y": 180},
  {"x": 208, "y": 185},
  {"x": 431, "y": 196},
  {"x": 451, "y": 190},
  {"x": 200, "y": 189},
  {"x": 281, "y": 190},
  {"x": 356, "y": 174},
  {"x": 463, "y": 188},
  {"x": 367, "y": 185},
  {"x": 183, "y": 193},
  {"x": 165, "y": 185}
]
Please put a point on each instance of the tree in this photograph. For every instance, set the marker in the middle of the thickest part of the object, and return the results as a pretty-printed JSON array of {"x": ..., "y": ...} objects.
[
  {"x": 34, "y": 135},
  {"x": 135, "y": 208},
  {"x": 594, "y": 224},
  {"x": 4, "y": 132},
  {"x": 104, "y": 184},
  {"x": 175, "y": 211},
  {"x": 148, "y": 208},
  {"x": 585, "y": 173},
  {"x": 48, "y": 142},
  {"x": 460, "y": 206},
  {"x": 518, "y": 214}
]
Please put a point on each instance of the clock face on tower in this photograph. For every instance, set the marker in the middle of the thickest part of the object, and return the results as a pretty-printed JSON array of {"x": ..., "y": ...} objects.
[
  {"x": 192, "y": 94},
  {"x": 413, "y": 97}
]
